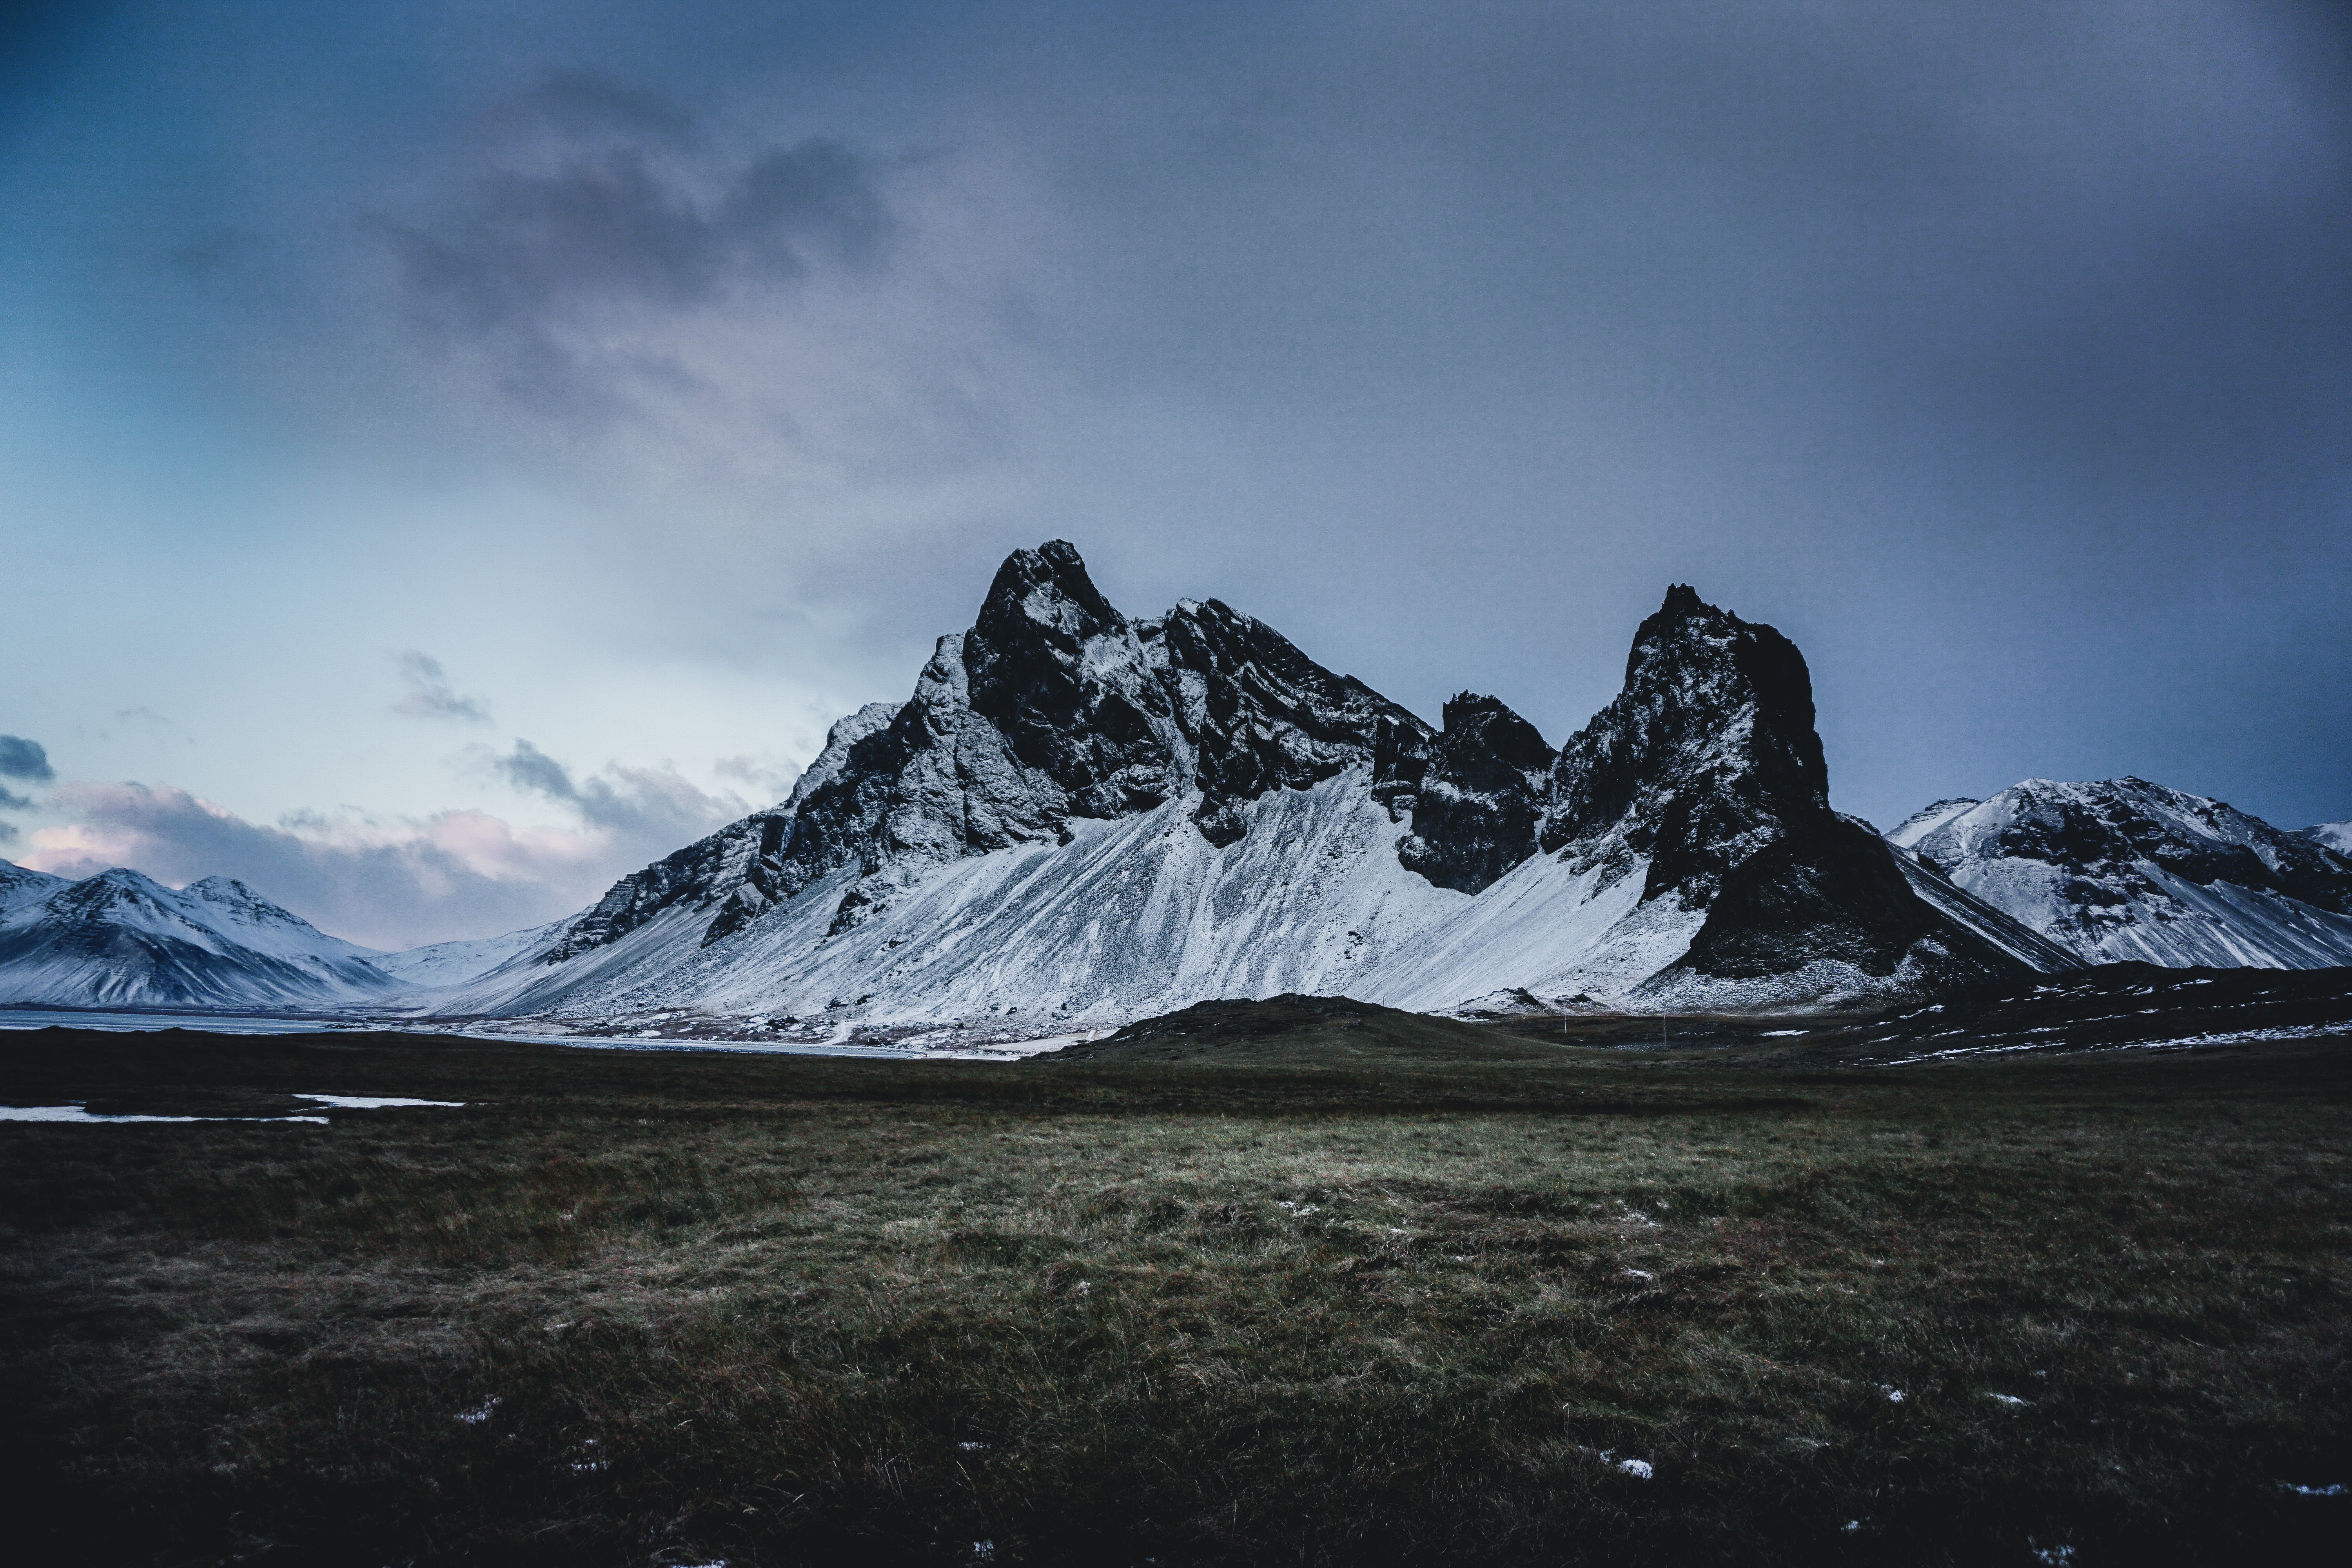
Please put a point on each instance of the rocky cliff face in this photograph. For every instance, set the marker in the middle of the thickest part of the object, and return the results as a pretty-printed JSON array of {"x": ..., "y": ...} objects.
[
  {"x": 1052, "y": 706},
  {"x": 1705, "y": 756},
  {"x": 2126, "y": 869},
  {"x": 1708, "y": 764},
  {"x": 1477, "y": 796}
]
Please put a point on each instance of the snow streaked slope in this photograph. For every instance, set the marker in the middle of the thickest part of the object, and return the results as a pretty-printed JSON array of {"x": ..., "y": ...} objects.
[
  {"x": 1139, "y": 915},
  {"x": 445, "y": 964},
  {"x": 2124, "y": 869},
  {"x": 119, "y": 938},
  {"x": 21, "y": 885},
  {"x": 1143, "y": 915},
  {"x": 1985, "y": 920},
  {"x": 1906, "y": 834}
]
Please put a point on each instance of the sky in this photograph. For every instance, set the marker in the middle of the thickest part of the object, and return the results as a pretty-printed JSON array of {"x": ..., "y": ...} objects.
[{"x": 451, "y": 455}]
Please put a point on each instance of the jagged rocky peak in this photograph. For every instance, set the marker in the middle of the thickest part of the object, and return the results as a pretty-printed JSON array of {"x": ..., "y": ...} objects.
[
  {"x": 238, "y": 901},
  {"x": 739, "y": 868},
  {"x": 1064, "y": 676},
  {"x": 1708, "y": 755},
  {"x": 1261, "y": 715},
  {"x": 1052, "y": 706},
  {"x": 116, "y": 887},
  {"x": 1477, "y": 796}
]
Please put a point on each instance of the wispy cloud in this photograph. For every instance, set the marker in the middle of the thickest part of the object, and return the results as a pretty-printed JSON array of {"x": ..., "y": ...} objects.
[
  {"x": 652, "y": 805},
  {"x": 429, "y": 694},
  {"x": 767, "y": 776}
]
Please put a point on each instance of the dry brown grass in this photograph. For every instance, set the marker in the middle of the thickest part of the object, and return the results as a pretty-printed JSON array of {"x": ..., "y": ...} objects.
[{"x": 793, "y": 1311}]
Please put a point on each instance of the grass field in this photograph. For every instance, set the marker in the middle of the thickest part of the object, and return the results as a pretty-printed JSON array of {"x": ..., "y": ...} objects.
[{"x": 1560, "y": 1305}]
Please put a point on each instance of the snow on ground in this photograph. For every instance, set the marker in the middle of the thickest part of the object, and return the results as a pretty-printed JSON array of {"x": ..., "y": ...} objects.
[
  {"x": 1132, "y": 917},
  {"x": 1906, "y": 834},
  {"x": 75, "y": 1113},
  {"x": 2167, "y": 1043}
]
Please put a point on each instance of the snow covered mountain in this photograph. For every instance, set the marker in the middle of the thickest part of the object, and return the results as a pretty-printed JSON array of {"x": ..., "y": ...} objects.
[
  {"x": 1089, "y": 818},
  {"x": 2128, "y": 869},
  {"x": 20, "y": 886},
  {"x": 120, "y": 940},
  {"x": 2336, "y": 836}
]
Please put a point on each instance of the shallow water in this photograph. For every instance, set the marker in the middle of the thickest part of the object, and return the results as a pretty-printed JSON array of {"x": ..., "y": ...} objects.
[
  {"x": 145, "y": 1022},
  {"x": 269, "y": 1024}
]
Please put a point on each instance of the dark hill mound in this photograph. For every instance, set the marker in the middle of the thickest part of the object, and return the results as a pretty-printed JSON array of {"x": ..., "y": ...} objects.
[{"x": 1294, "y": 1030}]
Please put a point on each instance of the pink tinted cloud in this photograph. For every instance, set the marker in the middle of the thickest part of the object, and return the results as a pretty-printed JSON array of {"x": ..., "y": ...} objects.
[{"x": 459, "y": 873}]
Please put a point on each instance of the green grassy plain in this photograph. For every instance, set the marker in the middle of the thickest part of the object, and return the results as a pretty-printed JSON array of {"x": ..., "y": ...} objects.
[{"x": 645, "y": 1309}]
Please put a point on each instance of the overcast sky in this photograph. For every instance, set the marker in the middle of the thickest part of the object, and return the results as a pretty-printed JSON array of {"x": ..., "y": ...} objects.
[{"x": 455, "y": 453}]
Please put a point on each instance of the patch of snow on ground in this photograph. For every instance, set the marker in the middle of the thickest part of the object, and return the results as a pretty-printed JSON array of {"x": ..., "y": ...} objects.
[
  {"x": 75, "y": 1113},
  {"x": 2178, "y": 1042}
]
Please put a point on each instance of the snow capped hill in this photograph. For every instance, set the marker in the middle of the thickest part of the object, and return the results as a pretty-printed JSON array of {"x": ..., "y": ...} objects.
[
  {"x": 2124, "y": 869},
  {"x": 2336, "y": 836},
  {"x": 450, "y": 963},
  {"x": 119, "y": 939},
  {"x": 1089, "y": 818}
]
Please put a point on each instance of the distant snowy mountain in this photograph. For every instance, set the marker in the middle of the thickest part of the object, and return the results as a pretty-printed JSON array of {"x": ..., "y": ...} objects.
[
  {"x": 2336, "y": 836},
  {"x": 120, "y": 940},
  {"x": 2126, "y": 869},
  {"x": 1090, "y": 818},
  {"x": 450, "y": 963}
]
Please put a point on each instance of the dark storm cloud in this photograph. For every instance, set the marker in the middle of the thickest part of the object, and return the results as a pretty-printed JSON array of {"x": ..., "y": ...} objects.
[
  {"x": 531, "y": 769},
  {"x": 430, "y": 695},
  {"x": 602, "y": 199},
  {"x": 23, "y": 759},
  {"x": 10, "y": 801}
]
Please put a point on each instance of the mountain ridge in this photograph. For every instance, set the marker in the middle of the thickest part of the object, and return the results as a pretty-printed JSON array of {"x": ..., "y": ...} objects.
[
  {"x": 2122, "y": 869},
  {"x": 1095, "y": 816}
]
